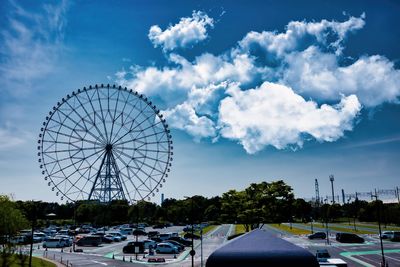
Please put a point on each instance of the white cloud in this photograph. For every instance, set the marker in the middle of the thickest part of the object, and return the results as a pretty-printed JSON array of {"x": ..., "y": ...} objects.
[
  {"x": 300, "y": 34},
  {"x": 172, "y": 84},
  {"x": 274, "y": 115},
  {"x": 318, "y": 75},
  {"x": 188, "y": 31},
  {"x": 30, "y": 43},
  {"x": 304, "y": 62}
]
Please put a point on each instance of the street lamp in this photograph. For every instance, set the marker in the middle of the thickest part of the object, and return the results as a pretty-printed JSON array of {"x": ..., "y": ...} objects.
[
  {"x": 331, "y": 178},
  {"x": 192, "y": 252},
  {"x": 379, "y": 225},
  {"x": 326, "y": 221}
]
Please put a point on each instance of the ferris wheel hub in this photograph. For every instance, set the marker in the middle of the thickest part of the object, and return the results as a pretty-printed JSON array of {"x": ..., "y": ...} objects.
[{"x": 109, "y": 147}]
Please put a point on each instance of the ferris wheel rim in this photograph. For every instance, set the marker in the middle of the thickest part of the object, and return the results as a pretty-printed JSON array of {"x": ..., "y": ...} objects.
[{"x": 102, "y": 140}]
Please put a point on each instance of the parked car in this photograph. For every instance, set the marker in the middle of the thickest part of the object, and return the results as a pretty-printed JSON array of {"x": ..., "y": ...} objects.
[
  {"x": 114, "y": 238},
  {"x": 158, "y": 226},
  {"x": 126, "y": 230},
  {"x": 149, "y": 244},
  {"x": 153, "y": 233},
  {"x": 176, "y": 244},
  {"x": 164, "y": 236},
  {"x": 89, "y": 240},
  {"x": 387, "y": 235},
  {"x": 183, "y": 241},
  {"x": 166, "y": 248},
  {"x": 54, "y": 242},
  {"x": 104, "y": 238},
  {"x": 130, "y": 247},
  {"x": 322, "y": 255},
  {"x": 349, "y": 238},
  {"x": 317, "y": 235},
  {"x": 66, "y": 239},
  {"x": 396, "y": 237},
  {"x": 39, "y": 237},
  {"x": 123, "y": 237},
  {"x": 139, "y": 231}
]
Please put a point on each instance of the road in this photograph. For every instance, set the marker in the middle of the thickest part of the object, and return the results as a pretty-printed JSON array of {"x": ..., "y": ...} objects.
[{"x": 367, "y": 254}]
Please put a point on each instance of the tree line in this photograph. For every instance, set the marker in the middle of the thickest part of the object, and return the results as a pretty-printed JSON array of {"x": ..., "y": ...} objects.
[{"x": 265, "y": 202}]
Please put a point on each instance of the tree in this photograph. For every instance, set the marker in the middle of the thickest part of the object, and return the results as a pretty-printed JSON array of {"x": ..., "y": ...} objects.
[{"x": 11, "y": 221}]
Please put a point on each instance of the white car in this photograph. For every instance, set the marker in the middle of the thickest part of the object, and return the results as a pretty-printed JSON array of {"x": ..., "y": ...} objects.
[
  {"x": 166, "y": 248},
  {"x": 54, "y": 243},
  {"x": 387, "y": 235},
  {"x": 66, "y": 239},
  {"x": 39, "y": 237}
]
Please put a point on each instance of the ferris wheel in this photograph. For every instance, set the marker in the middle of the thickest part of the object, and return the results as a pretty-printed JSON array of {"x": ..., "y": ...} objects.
[{"x": 105, "y": 143}]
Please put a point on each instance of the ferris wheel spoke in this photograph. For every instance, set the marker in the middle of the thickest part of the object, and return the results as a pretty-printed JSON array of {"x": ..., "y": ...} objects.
[
  {"x": 95, "y": 114},
  {"x": 138, "y": 138},
  {"x": 113, "y": 117},
  {"x": 142, "y": 162},
  {"x": 72, "y": 136},
  {"x": 135, "y": 173},
  {"x": 124, "y": 123},
  {"x": 90, "y": 118},
  {"x": 136, "y": 126},
  {"x": 76, "y": 131},
  {"x": 127, "y": 176},
  {"x": 65, "y": 167},
  {"x": 102, "y": 115},
  {"x": 89, "y": 168}
]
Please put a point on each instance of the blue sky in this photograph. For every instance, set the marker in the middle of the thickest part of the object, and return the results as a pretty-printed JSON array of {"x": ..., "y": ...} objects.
[{"x": 253, "y": 90}]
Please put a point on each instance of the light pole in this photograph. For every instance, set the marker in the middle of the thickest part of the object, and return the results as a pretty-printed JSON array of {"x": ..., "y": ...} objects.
[
  {"x": 379, "y": 225},
  {"x": 326, "y": 221},
  {"x": 331, "y": 178},
  {"x": 192, "y": 252}
]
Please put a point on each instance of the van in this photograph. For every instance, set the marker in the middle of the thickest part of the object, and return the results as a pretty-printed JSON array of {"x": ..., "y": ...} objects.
[{"x": 89, "y": 240}]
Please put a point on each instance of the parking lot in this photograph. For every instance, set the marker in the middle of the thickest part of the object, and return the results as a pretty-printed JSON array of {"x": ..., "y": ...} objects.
[{"x": 363, "y": 254}]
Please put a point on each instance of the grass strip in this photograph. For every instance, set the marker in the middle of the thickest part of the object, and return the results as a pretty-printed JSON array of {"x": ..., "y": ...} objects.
[
  {"x": 36, "y": 262},
  {"x": 239, "y": 229},
  {"x": 343, "y": 229},
  {"x": 206, "y": 229},
  {"x": 293, "y": 230}
]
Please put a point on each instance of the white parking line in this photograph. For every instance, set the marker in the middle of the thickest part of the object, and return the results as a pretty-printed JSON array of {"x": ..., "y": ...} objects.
[{"x": 99, "y": 262}]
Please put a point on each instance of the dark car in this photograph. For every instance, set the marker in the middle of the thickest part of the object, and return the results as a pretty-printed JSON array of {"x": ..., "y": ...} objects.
[
  {"x": 153, "y": 233},
  {"x": 158, "y": 226},
  {"x": 130, "y": 247},
  {"x": 89, "y": 240},
  {"x": 317, "y": 235},
  {"x": 183, "y": 241},
  {"x": 104, "y": 239},
  {"x": 396, "y": 237},
  {"x": 139, "y": 231},
  {"x": 349, "y": 238},
  {"x": 190, "y": 236}
]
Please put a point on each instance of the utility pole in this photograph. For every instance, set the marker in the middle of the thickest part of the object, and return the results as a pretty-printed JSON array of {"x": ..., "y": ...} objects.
[
  {"x": 379, "y": 224},
  {"x": 317, "y": 193},
  {"x": 397, "y": 193},
  {"x": 331, "y": 178}
]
